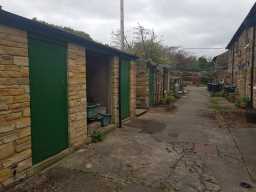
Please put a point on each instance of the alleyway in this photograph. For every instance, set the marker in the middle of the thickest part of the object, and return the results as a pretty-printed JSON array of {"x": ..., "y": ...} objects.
[{"x": 183, "y": 150}]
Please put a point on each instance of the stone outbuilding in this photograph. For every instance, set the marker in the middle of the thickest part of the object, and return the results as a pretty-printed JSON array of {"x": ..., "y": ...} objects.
[
  {"x": 47, "y": 78},
  {"x": 241, "y": 51},
  {"x": 153, "y": 83}
]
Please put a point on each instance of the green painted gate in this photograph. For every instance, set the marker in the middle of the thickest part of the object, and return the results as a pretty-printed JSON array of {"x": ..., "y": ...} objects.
[
  {"x": 125, "y": 89},
  {"x": 152, "y": 80},
  {"x": 48, "y": 91}
]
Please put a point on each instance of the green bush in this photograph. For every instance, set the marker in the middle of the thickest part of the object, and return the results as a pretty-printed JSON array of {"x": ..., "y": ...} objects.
[
  {"x": 170, "y": 99},
  {"x": 97, "y": 136}
]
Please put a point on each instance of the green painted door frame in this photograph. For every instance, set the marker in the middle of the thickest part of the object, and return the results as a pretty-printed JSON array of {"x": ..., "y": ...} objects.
[
  {"x": 48, "y": 91},
  {"x": 125, "y": 89}
]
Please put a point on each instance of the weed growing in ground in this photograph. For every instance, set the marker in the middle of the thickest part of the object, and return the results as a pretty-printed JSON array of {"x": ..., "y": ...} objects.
[
  {"x": 218, "y": 94},
  {"x": 217, "y": 106},
  {"x": 97, "y": 136}
]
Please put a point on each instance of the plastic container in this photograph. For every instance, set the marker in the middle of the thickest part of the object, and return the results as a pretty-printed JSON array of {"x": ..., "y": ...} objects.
[
  {"x": 92, "y": 111},
  {"x": 105, "y": 119},
  {"x": 230, "y": 88}
]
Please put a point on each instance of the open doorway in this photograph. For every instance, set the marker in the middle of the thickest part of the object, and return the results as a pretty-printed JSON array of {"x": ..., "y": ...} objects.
[{"x": 99, "y": 90}]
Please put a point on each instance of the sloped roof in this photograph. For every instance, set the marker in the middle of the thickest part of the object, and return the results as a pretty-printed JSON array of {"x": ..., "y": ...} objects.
[
  {"x": 31, "y": 26},
  {"x": 249, "y": 21}
]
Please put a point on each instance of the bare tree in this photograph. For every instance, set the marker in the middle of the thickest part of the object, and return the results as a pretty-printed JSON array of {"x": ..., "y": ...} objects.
[{"x": 116, "y": 41}]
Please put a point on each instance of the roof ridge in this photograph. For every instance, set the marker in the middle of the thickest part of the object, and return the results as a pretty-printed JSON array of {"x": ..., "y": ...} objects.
[
  {"x": 14, "y": 20},
  {"x": 247, "y": 22}
]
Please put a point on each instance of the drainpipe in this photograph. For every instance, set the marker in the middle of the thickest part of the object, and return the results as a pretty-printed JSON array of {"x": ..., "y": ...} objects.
[
  {"x": 252, "y": 67},
  {"x": 119, "y": 96}
]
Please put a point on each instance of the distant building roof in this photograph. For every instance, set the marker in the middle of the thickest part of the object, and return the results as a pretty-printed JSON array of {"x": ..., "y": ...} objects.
[
  {"x": 31, "y": 26},
  {"x": 221, "y": 62},
  {"x": 249, "y": 21}
]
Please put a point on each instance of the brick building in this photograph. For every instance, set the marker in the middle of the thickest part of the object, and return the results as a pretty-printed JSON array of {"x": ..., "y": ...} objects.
[
  {"x": 241, "y": 59},
  {"x": 46, "y": 79}
]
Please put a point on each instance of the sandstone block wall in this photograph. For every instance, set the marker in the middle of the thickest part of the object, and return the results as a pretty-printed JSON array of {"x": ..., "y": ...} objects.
[
  {"x": 77, "y": 95},
  {"x": 115, "y": 90},
  {"x": 241, "y": 54},
  {"x": 142, "y": 85},
  {"x": 15, "y": 125},
  {"x": 133, "y": 90},
  {"x": 159, "y": 86}
]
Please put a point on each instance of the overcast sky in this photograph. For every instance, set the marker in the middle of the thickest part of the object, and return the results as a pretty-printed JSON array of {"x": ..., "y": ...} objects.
[{"x": 185, "y": 23}]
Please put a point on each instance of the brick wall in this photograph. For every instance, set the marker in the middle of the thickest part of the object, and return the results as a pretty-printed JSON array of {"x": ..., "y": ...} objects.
[
  {"x": 15, "y": 131},
  {"x": 133, "y": 90},
  {"x": 77, "y": 95},
  {"x": 115, "y": 90}
]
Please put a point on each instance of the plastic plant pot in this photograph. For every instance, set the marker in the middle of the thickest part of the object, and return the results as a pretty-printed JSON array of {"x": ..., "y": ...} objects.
[
  {"x": 92, "y": 111},
  {"x": 105, "y": 120},
  {"x": 230, "y": 88}
]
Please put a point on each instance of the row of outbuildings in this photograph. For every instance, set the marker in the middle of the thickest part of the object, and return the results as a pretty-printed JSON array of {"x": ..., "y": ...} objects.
[
  {"x": 237, "y": 65},
  {"x": 53, "y": 84},
  {"x": 155, "y": 82}
]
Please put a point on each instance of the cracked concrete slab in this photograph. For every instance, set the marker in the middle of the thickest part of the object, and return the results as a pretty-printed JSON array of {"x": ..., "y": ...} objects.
[{"x": 181, "y": 151}]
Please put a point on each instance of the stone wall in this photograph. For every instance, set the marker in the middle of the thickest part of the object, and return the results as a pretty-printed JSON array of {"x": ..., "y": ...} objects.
[
  {"x": 142, "y": 85},
  {"x": 133, "y": 90},
  {"x": 77, "y": 95},
  {"x": 230, "y": 64},
  {"x": 15, "y": 130},
  {"x": 254, "y": 98},
  {"x": 159, "y": 85},
  {"x": 115, "y": 90},
  {"x": 241, "y": 55}
]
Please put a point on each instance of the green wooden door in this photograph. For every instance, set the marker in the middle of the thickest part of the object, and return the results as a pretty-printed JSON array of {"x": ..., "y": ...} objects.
[
  {"x": 152, "y": 80},
  {"x": 125, "y": 89},
  {"x": 48, "y": 90}
]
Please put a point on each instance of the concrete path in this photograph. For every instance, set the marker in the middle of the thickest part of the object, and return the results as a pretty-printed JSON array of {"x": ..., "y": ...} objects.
[{"x": 165, "y": 151}]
